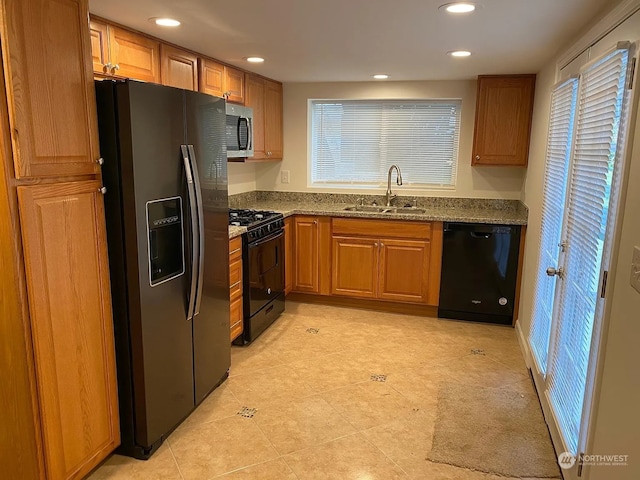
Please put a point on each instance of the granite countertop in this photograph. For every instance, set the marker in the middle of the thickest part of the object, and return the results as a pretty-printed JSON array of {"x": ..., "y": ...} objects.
[{"x": 440, "y": 210}]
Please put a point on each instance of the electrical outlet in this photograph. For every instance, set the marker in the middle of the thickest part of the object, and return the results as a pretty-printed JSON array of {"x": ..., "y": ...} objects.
[
  {"x": 635, "y": 269},
  {"x": 284, "y": 176}
]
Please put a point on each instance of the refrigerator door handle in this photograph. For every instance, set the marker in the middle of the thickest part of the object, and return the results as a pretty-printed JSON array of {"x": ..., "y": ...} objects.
[
  {"x": 198, "y": 189},
  {"x": 195, "y": 243}
]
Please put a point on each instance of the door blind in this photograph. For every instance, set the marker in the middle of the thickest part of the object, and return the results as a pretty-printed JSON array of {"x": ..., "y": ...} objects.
[
  {"x": 356, "y": 141},
  {"x": 595, "y": 165},
  {"x": 561, "y": 122}
]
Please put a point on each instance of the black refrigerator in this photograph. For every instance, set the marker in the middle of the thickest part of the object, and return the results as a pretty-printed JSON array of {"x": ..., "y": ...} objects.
[{"x": 165, "y": 170}]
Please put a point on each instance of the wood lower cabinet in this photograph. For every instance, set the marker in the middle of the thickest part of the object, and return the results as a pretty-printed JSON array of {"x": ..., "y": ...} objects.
[
  {"x": 288, "y": 255},
  {"x": 404, "y": 270},
  {"x": 306, "y": 255},
  {"x": 504, "y": 109},
  {"x": 265, "y": 97},
  {"x": 236, "y": 324},
  {"x": 39, "y": 94},
  {"x": 311, "y": 255},
  {"x": 400, "y": 264},
  {"x": 355, "y": 267},
  {"x": 221, "y": 81},
  {"x": 70, "y": 306},
  {"x": 178, "y": 68}
]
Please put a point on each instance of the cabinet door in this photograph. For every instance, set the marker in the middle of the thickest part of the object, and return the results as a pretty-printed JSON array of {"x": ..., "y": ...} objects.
[
  {"x": 503, "y": 120},
  {"x": 254, "y": 98},
  {"x": 211, "y": 77},
  {"x": 50, "y": 91},
  {"x": 63, "y": 231},
  {"x": 355, "y": 267},
  {"x": 178, "y": 68},
  {"x": 306, "y": 277},
  {"x": 99, "y": 46},
  {"x": 234, "y": 85},
  {"x": 133, "y": 55},
  {"x": 288, "y": 256},
  {"x": 404, "y": 270},
  {"x": 273, "y": 120}
]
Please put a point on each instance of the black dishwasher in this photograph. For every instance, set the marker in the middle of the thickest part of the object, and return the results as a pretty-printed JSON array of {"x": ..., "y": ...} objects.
[{"x": 479, "y": 271}]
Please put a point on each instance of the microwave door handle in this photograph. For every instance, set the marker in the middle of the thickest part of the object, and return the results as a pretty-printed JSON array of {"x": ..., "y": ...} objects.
[
  {"x": 198, "y": 191},
  {"x": 238, "y": 133},
  {"x": 250, "y": 132},
  {"x": 194, "y": 231}
]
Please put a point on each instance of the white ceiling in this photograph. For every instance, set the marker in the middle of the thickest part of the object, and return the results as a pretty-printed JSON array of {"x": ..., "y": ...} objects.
[{"x": 350, "y": 40}]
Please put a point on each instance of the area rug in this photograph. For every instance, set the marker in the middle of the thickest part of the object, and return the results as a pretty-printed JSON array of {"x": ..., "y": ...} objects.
[{"x": 492, "y": 430}]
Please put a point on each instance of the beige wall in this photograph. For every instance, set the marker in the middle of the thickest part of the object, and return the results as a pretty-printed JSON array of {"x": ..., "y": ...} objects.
[
  {"x": 489, "y": 182},
  {"x": 242, "y": 177},
  {"x": 616, "y": 425}
]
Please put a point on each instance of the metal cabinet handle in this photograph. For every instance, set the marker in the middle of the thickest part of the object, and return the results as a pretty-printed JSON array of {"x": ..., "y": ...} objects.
[
  {"x": 315, "y": 222},
  {"x": 103, "y": 190},
  {"x": 100, "y": 161},
  {"x": 477, "y": 157},
  {"x": 115, "y": 68},
  {"x": 382, "y": 245},
  {"x": 107, "y": 66}
]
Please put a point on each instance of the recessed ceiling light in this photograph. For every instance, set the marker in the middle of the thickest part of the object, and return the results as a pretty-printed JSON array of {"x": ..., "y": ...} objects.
[
  {"x": 165, "y": 22},
  {"x": 254, "y": 59},
  {"x": 380, "y": 76},
  {"x": 459, "y": 53},
  {"x": 459, "y": 7}
]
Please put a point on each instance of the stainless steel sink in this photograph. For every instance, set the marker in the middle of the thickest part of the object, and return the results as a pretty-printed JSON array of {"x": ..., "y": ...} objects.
[{"x": 378, "y": 209}]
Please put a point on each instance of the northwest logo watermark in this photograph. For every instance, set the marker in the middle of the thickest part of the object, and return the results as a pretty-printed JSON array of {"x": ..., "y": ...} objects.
[{"x": 566, "y": 460}]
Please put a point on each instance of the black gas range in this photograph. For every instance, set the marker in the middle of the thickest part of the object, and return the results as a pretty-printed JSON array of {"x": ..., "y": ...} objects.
[{"x": 263, "y": 269}]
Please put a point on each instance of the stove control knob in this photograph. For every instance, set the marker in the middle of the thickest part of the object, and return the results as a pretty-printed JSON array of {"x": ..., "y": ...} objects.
[
  {"x": 269, "y": 228},
  {"x": 269, "y": 291}
]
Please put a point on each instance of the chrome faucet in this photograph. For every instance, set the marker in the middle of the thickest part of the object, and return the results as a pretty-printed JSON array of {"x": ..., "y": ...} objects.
[{"x": 391, "y": 196}]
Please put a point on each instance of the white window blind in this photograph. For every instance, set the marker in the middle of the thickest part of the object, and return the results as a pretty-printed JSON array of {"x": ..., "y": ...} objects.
[
  {"x": 354, "y": 142},
  {"x": 561, "y": 123},
  {"x": 595, "y": 166}
]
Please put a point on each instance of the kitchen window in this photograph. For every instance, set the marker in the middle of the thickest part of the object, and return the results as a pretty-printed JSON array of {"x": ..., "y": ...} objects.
[{"x": 354, "y": 142}]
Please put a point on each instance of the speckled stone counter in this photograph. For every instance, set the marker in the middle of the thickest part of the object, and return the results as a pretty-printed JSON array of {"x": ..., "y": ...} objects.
[
  {"x": 235, "y": 231},
  {"x": 469, "y": 210}
]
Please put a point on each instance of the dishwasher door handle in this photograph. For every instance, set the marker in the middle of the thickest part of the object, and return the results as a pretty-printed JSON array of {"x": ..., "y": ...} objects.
[{"x": 481, "y": 235}]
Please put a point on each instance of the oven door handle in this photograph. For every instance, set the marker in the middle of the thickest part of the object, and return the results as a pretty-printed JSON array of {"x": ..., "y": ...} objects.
[
  {"x": 266, "y": 239},
  {"x": 194, "y": 231},
  {"x": 198, "y": 191}
]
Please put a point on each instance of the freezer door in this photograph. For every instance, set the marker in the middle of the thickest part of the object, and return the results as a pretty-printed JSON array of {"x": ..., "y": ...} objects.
[
  {"x": 151, "y": 132},
  {"x": 206, "y": 121}
]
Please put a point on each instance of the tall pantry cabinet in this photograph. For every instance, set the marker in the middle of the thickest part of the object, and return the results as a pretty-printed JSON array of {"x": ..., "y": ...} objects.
[{"x": 57, "y": 369}]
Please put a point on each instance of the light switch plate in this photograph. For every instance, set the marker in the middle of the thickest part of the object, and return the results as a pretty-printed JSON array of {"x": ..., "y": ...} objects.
[
  {"x": 284, "y": 176},
  {"x": 635, "y": 269}
]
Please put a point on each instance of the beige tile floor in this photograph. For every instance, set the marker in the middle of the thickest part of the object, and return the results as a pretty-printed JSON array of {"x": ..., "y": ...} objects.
[{"x": 318, "y": 412}]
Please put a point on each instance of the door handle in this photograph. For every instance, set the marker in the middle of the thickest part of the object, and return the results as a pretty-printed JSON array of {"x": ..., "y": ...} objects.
[
  {"x": 194, "y": 232},
  {"x": 553, "y": 272},
  {"x": 201, "y": 246}
]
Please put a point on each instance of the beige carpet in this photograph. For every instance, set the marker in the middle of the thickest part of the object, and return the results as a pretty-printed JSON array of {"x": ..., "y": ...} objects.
[{"x": 493, "y": 430}]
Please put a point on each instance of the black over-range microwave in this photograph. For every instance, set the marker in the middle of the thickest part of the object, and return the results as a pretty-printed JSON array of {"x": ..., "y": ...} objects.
[{"x": 239, "y": 131}]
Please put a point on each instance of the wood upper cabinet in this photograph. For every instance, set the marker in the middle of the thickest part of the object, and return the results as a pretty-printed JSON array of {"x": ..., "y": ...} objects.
[
  {"x": 288, "y": 255},
  {"x": 306, "y": 278},
  {"x": 99, "y": 46},
  {"x": 387, "y": 260},
  {"x": 273, "y": 119},
  {"x": 254, "y": 98},
  {"x": 122, "y": 53},
  {"x": 67, "y": 274},
  {"x": 221, "y": 81},
  {"x": 265, "y": 97},
  {"x": 39, "y": 95},
  {"x": 133, "y": 55},
  {"x": 504, "y": 109},
  {"x": 355, "y": 267},
  {"x": 179, "y": 68}
]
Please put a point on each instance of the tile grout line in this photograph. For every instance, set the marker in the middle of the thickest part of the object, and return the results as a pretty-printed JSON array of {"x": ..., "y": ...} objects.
[{"x": 175, "y": 460}]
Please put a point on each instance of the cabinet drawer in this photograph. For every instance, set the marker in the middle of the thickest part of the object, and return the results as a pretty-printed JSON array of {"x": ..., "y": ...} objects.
[
  {"x": 381, "y": 228},
  {"x": 235, "y": 249},
  {"x": 235, "y": 318}
]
